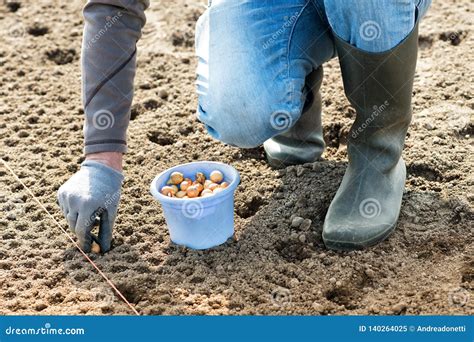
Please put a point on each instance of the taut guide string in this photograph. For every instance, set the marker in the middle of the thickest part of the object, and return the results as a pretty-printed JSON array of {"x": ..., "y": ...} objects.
[{"x": 72, "y": 239}]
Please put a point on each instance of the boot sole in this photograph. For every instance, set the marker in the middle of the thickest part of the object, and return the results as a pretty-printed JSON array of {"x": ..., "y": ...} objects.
[
  {"x": 276, "y": 163},
  {"x": 347, "y": 246}
]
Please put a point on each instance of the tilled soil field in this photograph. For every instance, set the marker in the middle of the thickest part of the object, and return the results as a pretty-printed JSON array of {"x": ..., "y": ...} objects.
[{"x": 271, "y": 267}]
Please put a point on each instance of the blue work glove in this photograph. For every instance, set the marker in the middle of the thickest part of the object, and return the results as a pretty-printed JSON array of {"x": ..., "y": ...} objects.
[{"x": 92, "y": 194}]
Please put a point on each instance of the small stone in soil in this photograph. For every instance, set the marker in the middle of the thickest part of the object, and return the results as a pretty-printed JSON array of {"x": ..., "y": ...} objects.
[
  {"x": 40, "y": 306},
  {"x": 162, "y": 93},
  {"x": 306, "y": 224},
  {"x": 317, "y": 307},
  {"x": 302, "y": 238},
  {"x": 398, "y": 308},
  {"x": 300, "y": 171},
  {"x": 296, "y": 221},
  {"x": 294, "y": 282}
]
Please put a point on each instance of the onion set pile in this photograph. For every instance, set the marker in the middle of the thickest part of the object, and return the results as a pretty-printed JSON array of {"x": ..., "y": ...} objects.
[{"x": 180, "y": 187}]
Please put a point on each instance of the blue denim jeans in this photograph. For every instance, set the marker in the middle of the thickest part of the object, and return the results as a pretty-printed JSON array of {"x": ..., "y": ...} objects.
[{"x": 254, "y": 56}]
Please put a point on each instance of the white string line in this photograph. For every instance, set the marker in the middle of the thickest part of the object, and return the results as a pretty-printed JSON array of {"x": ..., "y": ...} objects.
[{"x": 71, "y": 238}]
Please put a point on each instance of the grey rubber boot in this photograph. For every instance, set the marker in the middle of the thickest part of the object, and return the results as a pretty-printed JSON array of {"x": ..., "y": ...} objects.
[
  {"x": 302, "y": 143},
  {"x": 379, "y": 86}
]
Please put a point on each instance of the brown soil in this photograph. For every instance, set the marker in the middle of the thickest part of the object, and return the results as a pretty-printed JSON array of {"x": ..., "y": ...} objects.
[{"x": 425, "y": 267}]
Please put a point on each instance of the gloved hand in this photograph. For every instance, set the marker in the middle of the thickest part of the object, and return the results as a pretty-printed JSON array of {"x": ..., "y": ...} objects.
[{"x": 93, "y": 192}]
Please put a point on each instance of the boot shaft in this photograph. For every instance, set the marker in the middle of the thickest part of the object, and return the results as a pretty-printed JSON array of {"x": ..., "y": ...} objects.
[
  {"x": 303, "y": 142},
  {"x": 379, "y": 86}
]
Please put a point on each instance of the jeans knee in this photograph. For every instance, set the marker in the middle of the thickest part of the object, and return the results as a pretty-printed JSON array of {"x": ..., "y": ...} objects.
[
  {"x": 248, "y": 90},
  {"x": 247, "y": 122}
]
